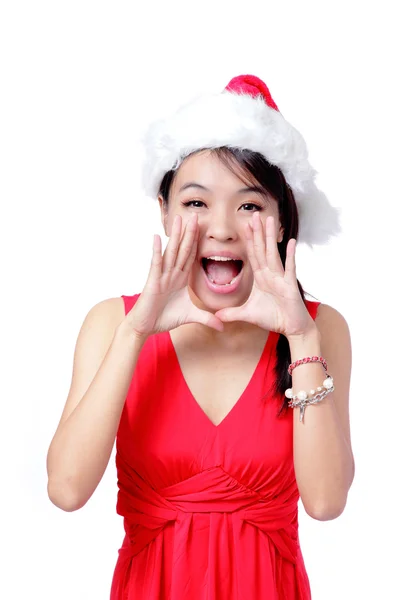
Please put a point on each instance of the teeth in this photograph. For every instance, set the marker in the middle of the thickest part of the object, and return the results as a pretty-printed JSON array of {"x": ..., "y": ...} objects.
[
  {"x": 225, "y": 284},
  {"x": 233, "y": 280},
  {"x": 221, "y": 258}
]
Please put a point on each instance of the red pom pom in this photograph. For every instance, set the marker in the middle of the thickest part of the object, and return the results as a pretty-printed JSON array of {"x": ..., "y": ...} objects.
[{"x": 253, "y": 86}]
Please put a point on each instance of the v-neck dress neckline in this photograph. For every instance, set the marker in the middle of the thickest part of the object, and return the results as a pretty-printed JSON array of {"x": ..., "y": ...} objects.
[{"x": 265, "y": 356}]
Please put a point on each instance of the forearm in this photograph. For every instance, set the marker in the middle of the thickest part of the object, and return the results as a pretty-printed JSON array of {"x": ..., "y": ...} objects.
[
  {"x": 81, "y": 448},
  {"x": 322, "y": 458}
]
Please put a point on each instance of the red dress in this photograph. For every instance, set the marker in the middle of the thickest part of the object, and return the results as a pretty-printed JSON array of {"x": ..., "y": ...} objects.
[{"x": 210, "y": 512}]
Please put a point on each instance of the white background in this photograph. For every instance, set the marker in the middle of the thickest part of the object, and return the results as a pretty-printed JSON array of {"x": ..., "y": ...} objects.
[{"x": 79, "y": 82}]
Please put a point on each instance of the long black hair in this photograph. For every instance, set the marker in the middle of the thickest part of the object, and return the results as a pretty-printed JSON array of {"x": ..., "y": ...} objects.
[{"x": 271, "y": 179}]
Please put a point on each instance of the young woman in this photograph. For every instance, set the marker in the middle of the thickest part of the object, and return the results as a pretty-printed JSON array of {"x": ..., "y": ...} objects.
[{"x": 226, "y": 390}]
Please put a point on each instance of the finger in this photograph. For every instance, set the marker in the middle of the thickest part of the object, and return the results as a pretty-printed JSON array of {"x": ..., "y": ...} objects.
[
  {"x": 187, "y": 244},
  {"x": 156, "y": 259},
  {"x": 227, "y": 315},
  {"x": 206, "y": 318},
  {"x": 274, "y": 262},
  {"x": 290, "y": 262},
  {"x": 172, "y": 248},
  {"x": 193, "y": 253},
  {"x": 214, "y": 323},
  {"x": 250, "y": 247},
  {"x": 259, "y": 240}
]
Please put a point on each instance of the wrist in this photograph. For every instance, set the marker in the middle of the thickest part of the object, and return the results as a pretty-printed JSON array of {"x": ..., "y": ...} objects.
[
  {"x": 312, "y": 334},
  {"x": 125, "y": 331}
]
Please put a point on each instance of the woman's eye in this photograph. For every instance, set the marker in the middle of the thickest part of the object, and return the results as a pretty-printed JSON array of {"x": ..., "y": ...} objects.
[
  {"x": 194, "y": 203},
  {"x": 250, "y": 206}
]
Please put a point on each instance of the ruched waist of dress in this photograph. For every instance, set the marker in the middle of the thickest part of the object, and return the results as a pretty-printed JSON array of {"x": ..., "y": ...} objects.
[{"x": 147, "y": 511}]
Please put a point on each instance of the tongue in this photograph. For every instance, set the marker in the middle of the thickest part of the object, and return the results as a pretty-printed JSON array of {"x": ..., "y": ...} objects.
[{"x": 222, "y": 272}]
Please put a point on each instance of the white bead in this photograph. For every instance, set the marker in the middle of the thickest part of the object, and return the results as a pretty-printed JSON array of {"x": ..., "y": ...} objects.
[
  {"x": 328, "y": 383},
  {"x": 289, "y": 393},
  {"x": 312, "y": 392},
  {"x": 302, "y": 395},
  {"x": 319, "y": 389}
]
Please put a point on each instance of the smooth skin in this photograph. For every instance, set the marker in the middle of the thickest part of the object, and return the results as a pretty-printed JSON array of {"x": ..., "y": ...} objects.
[
  {"x": 165, "y": 302},
  {"x": 223, "y": 335}
]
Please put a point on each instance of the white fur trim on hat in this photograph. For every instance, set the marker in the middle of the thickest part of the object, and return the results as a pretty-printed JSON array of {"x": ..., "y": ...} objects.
[{"x": 242, "y": 121}]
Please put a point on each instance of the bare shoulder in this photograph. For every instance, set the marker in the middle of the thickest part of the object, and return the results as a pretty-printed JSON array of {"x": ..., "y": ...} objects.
[
  {"x": 111, "y": 312},
  {"x": 335, "y": 333},
  {"x": 93, "y": 341},
  {"x": 333, "y": 327},
  {"x": 327, "y": 316}
]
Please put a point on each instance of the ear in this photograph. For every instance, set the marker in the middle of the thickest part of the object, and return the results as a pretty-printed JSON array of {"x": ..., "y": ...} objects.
[
  {"x": 164, "y": 213},
  {"x": 280, "y": 234}
]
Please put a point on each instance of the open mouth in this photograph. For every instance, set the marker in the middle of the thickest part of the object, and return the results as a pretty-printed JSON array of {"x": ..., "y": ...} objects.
[{"x": 222, "y": 271}]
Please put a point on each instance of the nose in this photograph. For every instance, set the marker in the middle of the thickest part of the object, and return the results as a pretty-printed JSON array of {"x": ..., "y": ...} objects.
[{"x": 220, "y": 226}]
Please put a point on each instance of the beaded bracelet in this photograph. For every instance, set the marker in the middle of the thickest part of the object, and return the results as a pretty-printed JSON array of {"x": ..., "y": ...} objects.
[
  {"x": 303, "y": 399},
  {"x": 308, "y": 359}
]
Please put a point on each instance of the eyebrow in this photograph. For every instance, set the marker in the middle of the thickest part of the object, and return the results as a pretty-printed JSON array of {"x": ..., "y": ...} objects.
[
  {"x": 194, "y": 185},
  {"x": 245, "y": 190}
]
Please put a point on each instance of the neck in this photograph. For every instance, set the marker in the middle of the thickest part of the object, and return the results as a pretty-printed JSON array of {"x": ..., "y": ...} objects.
[{"x": 234, "y": 334}]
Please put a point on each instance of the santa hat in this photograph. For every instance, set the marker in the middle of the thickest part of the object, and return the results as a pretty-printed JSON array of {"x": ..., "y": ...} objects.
[{"x": 243, "y": 116}]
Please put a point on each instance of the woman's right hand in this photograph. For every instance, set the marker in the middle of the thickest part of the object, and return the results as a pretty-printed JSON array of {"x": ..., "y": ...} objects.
[{"x": 164, "y": 303}]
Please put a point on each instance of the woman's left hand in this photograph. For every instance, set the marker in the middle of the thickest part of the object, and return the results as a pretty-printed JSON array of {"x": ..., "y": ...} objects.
[{"x": 275, "y": 302}]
